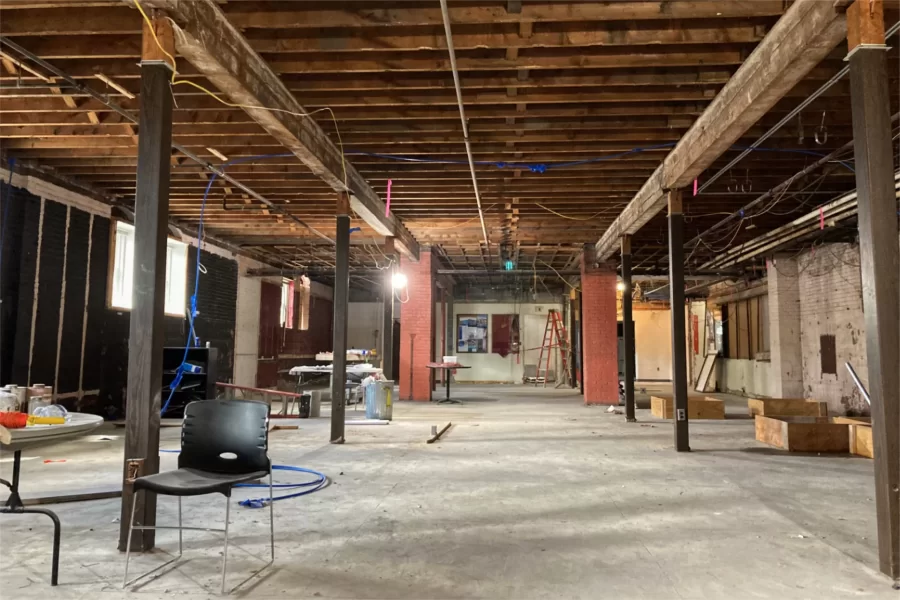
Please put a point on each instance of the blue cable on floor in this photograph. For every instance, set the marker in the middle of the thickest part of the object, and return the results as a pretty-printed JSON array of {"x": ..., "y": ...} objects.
[{"x": 314, "y": 485}]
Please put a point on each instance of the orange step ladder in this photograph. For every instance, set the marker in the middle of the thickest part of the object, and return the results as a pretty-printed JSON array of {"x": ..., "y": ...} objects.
[{"x": 555, "y": 336}]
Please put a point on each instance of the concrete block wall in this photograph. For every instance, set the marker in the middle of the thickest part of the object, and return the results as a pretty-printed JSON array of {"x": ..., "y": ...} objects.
[
  {"x": 598, "y": 304},
  {"x": 830, "y": 289},
  {"x": 417, "y": 317},
  {"x": 784, "y": 328}
]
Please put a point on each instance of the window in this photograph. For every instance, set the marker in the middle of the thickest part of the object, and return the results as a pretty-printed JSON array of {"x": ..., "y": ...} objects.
[
  {"x": 746, "y": 328},
  {"x": 121, "y": 286},
  {"x": 304, "y": 304},
  {"x": 287, "y": 304}
]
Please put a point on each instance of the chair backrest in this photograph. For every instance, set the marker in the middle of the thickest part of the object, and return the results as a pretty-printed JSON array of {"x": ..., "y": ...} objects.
[{"x": 225, "y": 436}]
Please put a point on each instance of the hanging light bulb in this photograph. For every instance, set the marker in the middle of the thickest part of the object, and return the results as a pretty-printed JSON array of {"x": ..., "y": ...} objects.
[{"x": 398, "y": 280}]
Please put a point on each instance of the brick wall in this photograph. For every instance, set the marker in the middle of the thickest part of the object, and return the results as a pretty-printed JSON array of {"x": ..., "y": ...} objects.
[
  {"x": 600, "y": 344},
  {"x": 417, "y": 328},
  {"x": 831, "y": 304}
]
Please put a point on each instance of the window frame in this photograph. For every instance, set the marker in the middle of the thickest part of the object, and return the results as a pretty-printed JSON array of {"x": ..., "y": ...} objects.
[
  {"x": 110, "y": 274},
  {"x": 286, "y": 307}
]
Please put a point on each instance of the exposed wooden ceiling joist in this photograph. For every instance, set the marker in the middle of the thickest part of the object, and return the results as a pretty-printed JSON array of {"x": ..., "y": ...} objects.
[
  {"x": 205, "y": 37},
  {"x": 808, "y": 31}
]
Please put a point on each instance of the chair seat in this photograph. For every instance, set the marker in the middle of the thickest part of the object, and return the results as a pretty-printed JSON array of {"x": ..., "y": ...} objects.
[{"x": 193, "y": 482}]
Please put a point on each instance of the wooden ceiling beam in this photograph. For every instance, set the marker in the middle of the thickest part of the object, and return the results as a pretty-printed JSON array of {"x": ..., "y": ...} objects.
[
  {"x": 807, "y": 32},
  {"x": 504, "y": 79},
  {"x": 722, "y": 55},
  {"x": 597, "y": 34},
  {"x": 44, "y": 19},
  {"x": 206, "y": 39}
]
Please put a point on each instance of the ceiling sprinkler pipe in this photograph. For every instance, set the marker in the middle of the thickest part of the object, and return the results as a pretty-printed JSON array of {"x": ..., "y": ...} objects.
[{"x": 462, "y": 115}]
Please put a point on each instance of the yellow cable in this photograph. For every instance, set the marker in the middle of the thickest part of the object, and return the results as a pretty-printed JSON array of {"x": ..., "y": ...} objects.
[
  {"x": 175, "y": 82},
  {"x": 567, "y": 216},
  {"x": 156, "y": 39}
]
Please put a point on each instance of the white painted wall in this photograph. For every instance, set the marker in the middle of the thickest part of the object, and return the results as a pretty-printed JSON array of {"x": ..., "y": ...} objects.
[
  {"x": 653, "y": 344},
  {"x": 744, "y": 377},
  {"x": 246, "y": 327},
  {"x": 831, "y": 304},
  {"x": 509, "y": 369}
]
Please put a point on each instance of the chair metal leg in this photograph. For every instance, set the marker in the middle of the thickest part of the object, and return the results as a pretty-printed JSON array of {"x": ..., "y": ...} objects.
[
  {"x": 130, "y": 533},
  {"x": 225, "y": 548},
  {"x": 179, "y": 526},
  {"x": 131, "y": 528},
  {"x": 271, "y": 516}
]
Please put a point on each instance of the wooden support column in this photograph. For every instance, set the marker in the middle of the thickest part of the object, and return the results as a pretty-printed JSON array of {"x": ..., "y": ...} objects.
[
  {"x": 879, "y": 261},
  {"x": 341, "y": 300},
  {"x": 387, "y": 323},
  {"x": 628, "y": 329},
  {"x": 676, "y": 301},
  {"x": 146, "y": 330}
]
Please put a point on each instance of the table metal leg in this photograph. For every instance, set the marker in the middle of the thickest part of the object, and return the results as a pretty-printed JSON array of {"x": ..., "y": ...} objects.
[
  {"x": 447, "y": 399},
  {"x": 15, "y": 506}
]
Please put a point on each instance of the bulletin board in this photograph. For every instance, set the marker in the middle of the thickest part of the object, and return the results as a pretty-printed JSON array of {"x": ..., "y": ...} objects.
[{"x": 472, "y": 334}]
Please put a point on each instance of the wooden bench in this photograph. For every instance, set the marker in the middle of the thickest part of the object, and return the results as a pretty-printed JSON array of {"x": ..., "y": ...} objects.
[
  {"x": 244, "y": 392},
  {"x": 786, "y": 407},
  {"x": 699, "y": 407},
  {"x": 803, "y": 434}
]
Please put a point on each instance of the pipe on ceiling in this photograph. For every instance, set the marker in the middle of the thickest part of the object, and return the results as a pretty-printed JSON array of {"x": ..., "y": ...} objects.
[
  {"x": 809, "y": 100},
  {"x": 445, "y": 13},
  {"x": 766, "y": 195},
  {"x": 131, "y": 117}
]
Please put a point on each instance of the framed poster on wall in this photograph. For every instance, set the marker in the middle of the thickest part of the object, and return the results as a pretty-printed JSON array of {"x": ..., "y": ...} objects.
[{"x": 472, "y": 334}]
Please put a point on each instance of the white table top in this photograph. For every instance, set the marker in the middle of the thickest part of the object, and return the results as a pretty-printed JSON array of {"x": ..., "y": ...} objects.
[
  {"x": 363, "y": 369},
  {"x": 77, "y": 424}
]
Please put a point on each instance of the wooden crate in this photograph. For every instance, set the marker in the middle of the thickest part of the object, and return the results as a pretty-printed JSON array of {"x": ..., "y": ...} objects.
[
  {"x": 786, "y": 407},
  {"x": 861, "y": 440},
  {"x": 853, "y": 420},
  {"x": 803, "y": 434},
  {"x": 699, "y": 407}
]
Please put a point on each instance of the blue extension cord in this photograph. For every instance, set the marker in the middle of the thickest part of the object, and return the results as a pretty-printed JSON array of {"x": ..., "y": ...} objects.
[{"x": 314, "y": 485}]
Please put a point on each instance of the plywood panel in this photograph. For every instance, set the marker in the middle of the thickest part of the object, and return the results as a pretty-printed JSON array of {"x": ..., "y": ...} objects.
[
  {"x": 662, "y": 406},
  {"x": 787, "y": 407},
  {"x": 803, "y": 434},
  {"x": 771, "y": 431},
  {"x": 861, "y": 441}
]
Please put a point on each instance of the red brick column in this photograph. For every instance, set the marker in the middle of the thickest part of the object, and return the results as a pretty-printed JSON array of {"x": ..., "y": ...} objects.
[
  {"x": 417, "y": 327},
  {"x": 600, "y": 361}
]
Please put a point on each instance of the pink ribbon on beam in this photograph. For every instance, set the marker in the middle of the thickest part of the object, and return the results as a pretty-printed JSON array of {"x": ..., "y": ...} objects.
[{"x": 387, "y": 207}]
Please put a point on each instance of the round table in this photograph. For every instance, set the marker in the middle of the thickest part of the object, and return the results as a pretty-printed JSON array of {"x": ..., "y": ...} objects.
[{"x": 39, "y": 435}]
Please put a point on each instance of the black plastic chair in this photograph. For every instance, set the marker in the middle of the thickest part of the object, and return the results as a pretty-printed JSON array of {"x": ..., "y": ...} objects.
[{"x": 223, "y": 443}]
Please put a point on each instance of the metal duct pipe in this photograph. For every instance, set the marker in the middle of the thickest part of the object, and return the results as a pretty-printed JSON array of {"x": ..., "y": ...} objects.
[
  {"x": 462, "y": 115},
  {"x": 131, "y": 117}
]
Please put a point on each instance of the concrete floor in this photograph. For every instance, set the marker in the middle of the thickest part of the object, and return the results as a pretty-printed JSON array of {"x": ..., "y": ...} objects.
[{"x": 529, "y": 495}]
